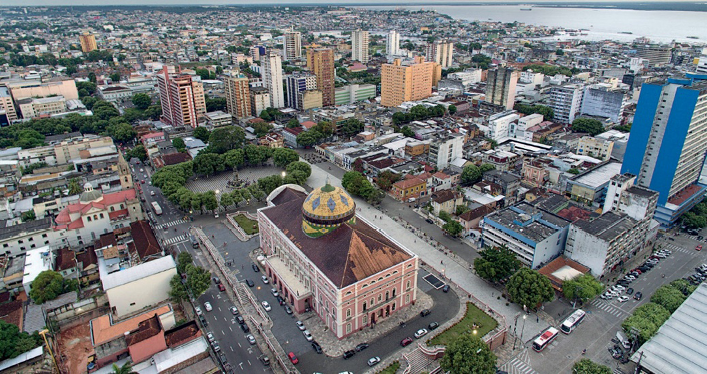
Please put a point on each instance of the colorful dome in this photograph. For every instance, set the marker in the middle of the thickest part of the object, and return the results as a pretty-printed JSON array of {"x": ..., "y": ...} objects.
[{"x": 325, "y": 209}]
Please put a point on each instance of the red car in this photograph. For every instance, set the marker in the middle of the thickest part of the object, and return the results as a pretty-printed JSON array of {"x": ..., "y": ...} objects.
[
  {"x": 405, "y": 342},
  {"x": 292, "y": 358},
  {"x": 699, "y": 248},
  {"x": 221, "y": 287},
  {"x": 142, "y": 181}
]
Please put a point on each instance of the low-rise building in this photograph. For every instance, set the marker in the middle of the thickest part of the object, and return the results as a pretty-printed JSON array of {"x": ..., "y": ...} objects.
[
  {"x": 409, "y": 189},
  {"x": 219, "y": 118},
  {"x": 446, "y": 200},
  {"x": 17, "y": 238},
  {"x": 35, "y": 107},
  {"x": 595, "y": 147},
  {"x": 115, "y": 92},
  {"x": 590, "y": 187}
]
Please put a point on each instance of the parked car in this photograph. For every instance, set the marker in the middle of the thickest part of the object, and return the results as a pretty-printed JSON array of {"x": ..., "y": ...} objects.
[
  {"x": 274, "y": 292},
  {"x": 317, "y": 347},
  {"x": 203, "y": 321},
  {"x": 255, "y": 268},
  {"x": 300, "y": 325},
  {"x": 198, "y": 311},
  {"x": 266, "y": 306},
  {"x": 420, "y": 333},
  {"x": 622, "y": 299},
  {"x": 405, "y": 342},
  {"x": 348, "y": 354},
  {"x": 307, "y": 335},
  {"x": 251, "y": 339},
  {"x": 216, "y": 346},
  {"x": 249, "y": 283},
  {"x": 293, "y": 358},
  {"x": 373, "y": 361},
  {"x": 638, "y": 296},
  {"x": 425, "y": 312},
  {"x": 265, "y": 360},
  {"x": 629, "y": 291},
  {"x": 433, "y": 326},
  {"x": 698, "y": 248},
  {"x": 265, "y": 279},
  {"x": 207, "y": 306},
  {"x": 221, "y": 287},
  {"x": 240, "y": 320},
  {"x": 361, "y": 347},
  {"x": 606, "y": 297},
  {"x": 210, "y": 337},
  {"x": 245, "y": 328},
  {"x": 216, "y": 280},
  {"x": 288, "y": 310},
  {"x": 445, "y": 288}
]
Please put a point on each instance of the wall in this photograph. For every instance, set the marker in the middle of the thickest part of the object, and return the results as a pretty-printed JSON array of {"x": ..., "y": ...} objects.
[
  {"x": 141, "y": 293},
  {"x": 586, "y": 249}
]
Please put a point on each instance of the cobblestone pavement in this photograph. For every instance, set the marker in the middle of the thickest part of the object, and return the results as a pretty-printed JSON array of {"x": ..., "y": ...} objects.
[{"x": 220, "y": 181}]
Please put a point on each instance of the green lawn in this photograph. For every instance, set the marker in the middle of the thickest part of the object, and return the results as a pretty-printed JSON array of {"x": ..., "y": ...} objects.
[
  {"x": 248, "y": 225},
  {"x": 392, "y": 368},
  {"x": 473, "y": 315}
]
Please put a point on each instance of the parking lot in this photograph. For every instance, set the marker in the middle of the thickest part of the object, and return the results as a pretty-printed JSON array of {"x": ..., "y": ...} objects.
[{"x": 604, "y": 317}]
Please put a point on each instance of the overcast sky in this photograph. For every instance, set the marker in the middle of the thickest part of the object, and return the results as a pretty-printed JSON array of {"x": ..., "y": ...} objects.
[{"x": 249, "y": 2}]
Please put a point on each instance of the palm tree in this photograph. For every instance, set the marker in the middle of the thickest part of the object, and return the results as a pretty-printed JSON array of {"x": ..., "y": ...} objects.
[{"x": 127, "y": 368}]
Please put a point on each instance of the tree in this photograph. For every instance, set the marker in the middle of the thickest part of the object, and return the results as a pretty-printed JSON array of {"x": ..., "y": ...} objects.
[
  {"x": 127, "y": 368},
  {"x": 183, "y": 260},
  {"x": 453, "y": 228},
  {"x": 13, "y": 342},
  {"x": 178, "y": 143},
  {"x": 47, "y": 286},
  {"x": 496, "y": 263},
  {"x": 142, "y": 101},
  {"x": 234, "y": 158},
  {"x": 284, "y": 156},
  {"x": 293, "y": 123},
  {"x": 202, "y": 133},
  {"x": 386, "y": 180},
  {"x": 468, "y": 354},
  {"x": 115, "y": 77},
  {"x": 267, "y": 184},
  {"x": 583, "y": 287},
  {"x": 647, "y": 319},
  {"x": 299, "y": 166},
  {"x": 588, "y": 125},
  {"x": 407, "y": 132},
  {"x": 122, "y": 132},
  {"x": 226, "y": 138},
  {"x": 587, "y": 366},
  {"x": 256, "y": 155},
  {"x": 198, "y": 280},
  {"x": 351, "y": 181},
  {"x": 74, "y": 186},
  {"x": 28, "y": 216},
  {"x": 177, "y": 291},
  {"x": 444, "y": 216},
  {"x": 452, "y": 109},
  {"x": 307, "y": 138},
  {"x": 684, "y": 286},
  {"x": 470, "y": 174},
  {"x": 668, "y": 297},
  {"x": 262, "y": 128},
  {"x": 92, "y": 77},
  {"x": 530, "y": 288},
  {"x": 138, "y": 152},
  {"x": 352, "y": 126},
  {"x": 693, "y": 220},
  {"x": 208, "y": 164}
]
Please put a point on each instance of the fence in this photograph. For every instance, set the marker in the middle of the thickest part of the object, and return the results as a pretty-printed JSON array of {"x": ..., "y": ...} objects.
[{"x": 236, "y": 228}]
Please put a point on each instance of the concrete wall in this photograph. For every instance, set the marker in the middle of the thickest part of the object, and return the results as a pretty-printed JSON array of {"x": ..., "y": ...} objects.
[{"x": 141, "y": 293}]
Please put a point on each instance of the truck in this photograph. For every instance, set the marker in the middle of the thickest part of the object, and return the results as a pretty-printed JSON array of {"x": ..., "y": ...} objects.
[{"x": 156, "y": 207}]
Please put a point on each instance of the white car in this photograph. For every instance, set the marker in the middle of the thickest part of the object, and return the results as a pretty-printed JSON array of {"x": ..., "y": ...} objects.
[
  {"x": 420, "y": 333},
  {"x": 619, "y": 287},
  {"x": 613, "y": 294},
  {"x": 373, "y": 361},
  {"x": 215, "y": 215},
  {"x": 265, "y": 279},
  {"x": 606, "y": 296},
  {"x": 152, "y": 193},
  {"x": 207, "y": 306},
  {"x": 300, "y": 325},
  {"x": 251, "y": 339},
  {"x": 622, "y": 299},
  {"x": 307, "y": 335},
  {"x": 274, "y": 292},
  {"x": 197, "y": 310},
  {"x": 266, "y": 306},
  {"x": 211, "y": 338}
]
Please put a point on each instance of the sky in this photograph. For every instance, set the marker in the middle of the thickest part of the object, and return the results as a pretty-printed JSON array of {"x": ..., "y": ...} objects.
[{"x": 262, "y": 2}]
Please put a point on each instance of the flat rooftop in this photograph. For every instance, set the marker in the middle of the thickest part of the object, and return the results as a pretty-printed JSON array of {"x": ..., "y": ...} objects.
[{"x": 599, "y": 176}]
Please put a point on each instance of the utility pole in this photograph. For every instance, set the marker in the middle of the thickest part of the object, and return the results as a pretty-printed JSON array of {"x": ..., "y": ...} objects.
[{"x": 51, "y": 351}]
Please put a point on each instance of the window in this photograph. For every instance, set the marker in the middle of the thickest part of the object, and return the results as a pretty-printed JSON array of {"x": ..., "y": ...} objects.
[
  {"x": 20, "y": 241},
  {"x": 44, "y": 235},
  {"x": 101, "y": 215},
  {"x": 387, "y": 295},
  {"x": 132, "y": 304},
  {"x": 88, "y": 218},
  {"x": 373, "y": 301},
  {"x": 112, "y": 209},
  {"x": 393, "y": 292},
  {"x": 5, "y": 245},
  {"x": 393, "y": 305},
  {"x": 365, "y": 319},
  {"x": 407, "y": 299},
  {"x": 348, "y": 328},
  {"x": 407, "y": 285},
  {"x": 30, "y": 239},
  {"x": 364, "y": 306},
  {"x": 348, "y": 313}
]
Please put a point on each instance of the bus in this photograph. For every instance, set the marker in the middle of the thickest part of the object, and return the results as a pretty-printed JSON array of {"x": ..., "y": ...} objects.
[
  {"x": 545, "y": 339},
  {"x": 573, "y": 321},
  {"x": 156, "y": 208}
]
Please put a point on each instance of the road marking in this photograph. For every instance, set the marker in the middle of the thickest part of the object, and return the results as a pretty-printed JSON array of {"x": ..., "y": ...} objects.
[
  {"x": 223, "y": 333},
  {"x": 231, "y": 348},
  {"x": 229, "y": 327},
  {"x": 241, "y": 365},
  {"x": 239, "y": 345},
  {"x": 219, "y": 309},
  {"x": 249, "y": 362}
]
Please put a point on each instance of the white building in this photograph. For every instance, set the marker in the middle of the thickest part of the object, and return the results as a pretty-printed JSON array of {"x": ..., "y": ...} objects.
[
  {"x": 565, "y": 102},
  {"x": 17, "y": 238},
  {"x": 272, "y": 78},
  {"x": 139, "y": 286},
  {"x": 467, "y": 77},
  {"x": 600, "y": 100},
  {"x": 392, "y": 43},
  {"x": 440, "y": 52},
  {"x": 595, "y": 147},
  {"x": 36, "y": 261},
  {"x": 292, "y": 45},
  {"x": 502, "y": 125},
  {"x": 443, "y": 151},
  {"x": 524, "y": 123},
  {"x": 359, "y": 46}
]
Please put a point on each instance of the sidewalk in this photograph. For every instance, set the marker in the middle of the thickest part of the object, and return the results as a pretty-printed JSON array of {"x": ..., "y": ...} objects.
[{"x": 433, "y": 257}]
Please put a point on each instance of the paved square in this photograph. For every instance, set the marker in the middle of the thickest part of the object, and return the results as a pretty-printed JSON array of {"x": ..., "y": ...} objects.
[{"x": 220, "y": 181}]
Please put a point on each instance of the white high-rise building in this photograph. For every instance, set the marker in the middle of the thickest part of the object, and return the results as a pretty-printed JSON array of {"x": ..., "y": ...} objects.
[
  {"x": 566, "y": 102},
  {"x": 702, "y": 64},
  {"x": 359, "y": 46},
  {"x": 392, "y": 43},
  {"x": 293, "y": 45},
  {"x": 272, "y": 78},
  {"x": 441, "y": 53}
]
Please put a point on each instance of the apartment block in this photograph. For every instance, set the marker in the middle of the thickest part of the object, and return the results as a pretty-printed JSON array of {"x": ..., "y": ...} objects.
[
  {"x": 297, "y": 85},
  {"x": 501, "y": 87},
  {"x": 359, "y": 46},
  {"x": 392, "y": 43},
  {"x": 88, "y": 42},
  {"x": 31, "y": 107},
  {"x": 182, "y": 99},
  {"x": 353, "y": 93},
  {"x": 401, "y": 83},
  {"x": 320, "y": 61},
  {"x": 446, "y": 149},
  {"x": 600, "y": 100},
  {"x": 565, "y": 102},
  {"x": 595, "y": 147},
  {"x": 272, "y": 78},
  {"x": 259, "y": 100},
  {"x": 292, "y": 45},
  {"x": 441, "y": 53},
  {"x": 237, "y": 95},
  {"x": 7, "y": 105}
]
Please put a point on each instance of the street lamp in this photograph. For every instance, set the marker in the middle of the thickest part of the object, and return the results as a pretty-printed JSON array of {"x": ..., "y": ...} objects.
[
  {"x": 525, "y": 316},
  {"x": 284, "y": 174}
]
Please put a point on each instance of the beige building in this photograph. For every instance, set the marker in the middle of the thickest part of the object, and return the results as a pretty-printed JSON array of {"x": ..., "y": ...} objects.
[
  {"x": 259, "y": 100},
  {"x": 7, "y": 105},
  {"x": 35, "y": 88},
  {"x": 140, "y": 286},
  {"x": 182, "y": 99},
  {"x": 311, "y": 99},
  {"x": 441, "y": 53},
  {"x": 293, "y": 45},
  {"x": 359, "y": 46},
  {"x": 501, "y": 87},
  {"x": 31, "y": 107},
  {"x": 237, "y": 95},
  {"x": 401, "y": 83},
  {"x": 595, "y": 147},
  {"x": 64, "y": 152},
  {"x": 320, "y": 61},
  {"x": 88, "y": 42}
]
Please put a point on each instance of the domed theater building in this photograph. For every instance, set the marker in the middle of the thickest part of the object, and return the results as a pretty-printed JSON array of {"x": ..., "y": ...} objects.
[{"x": 321, "y": 255}]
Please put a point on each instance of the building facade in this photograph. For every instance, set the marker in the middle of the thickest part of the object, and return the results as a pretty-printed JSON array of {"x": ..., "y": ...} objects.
[
  {"x": 392, "y": 43},
  {"x": 446, "y": 149},
  {"x": 259, "y": 100},
  {"x": 7, "y": 105},
  {"x": 501, "y": 87},
  {"x": 292, "y": 45},
  {"x": 297, "y": 84},
  {"x": 602, "y": 101},
  {"x": 320, "y": 61},
  {"x": 182, "y": 99},
  {"x": 237, "y": 95},
  {"x": 272, "y": 78},
  {"x": 441, "y": 53},
  {"x": 88, "y": 42},
  {"x": 353, "y": 93},
  {"x": 566, "y": 102},
  {"x": 401, "y": 83},
  {"x": 359, "y": 46},
  {"x": 321, "y": 256},
  {"x": 32, "y": 107}
]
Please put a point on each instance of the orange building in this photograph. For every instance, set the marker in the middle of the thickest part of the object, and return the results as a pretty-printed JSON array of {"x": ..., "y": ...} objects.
[
  {"x": 88, "y": 42},
  {"x": 182, "y": 99},
  {"x": 320, "y": 61},
  {"x": 408, "y": 83},
  {"x": 407, "y": 189},
  {"x": 237, "y": 95}
]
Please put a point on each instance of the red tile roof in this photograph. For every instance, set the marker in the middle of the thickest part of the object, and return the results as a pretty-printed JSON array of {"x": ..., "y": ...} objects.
[
  {"x": 12, "y": 312},
  {"x": 408, "y": 183},
  {"x": 65, "y": 259},
  {"x": 117, "y": 214},
  {"x": 308, "y": 124},
  {"x": 145, "y": 242},
  {"x": 182, "y": 334},
  {"x": 116, "y": 197},
  {"x": 145, "y": 330}
]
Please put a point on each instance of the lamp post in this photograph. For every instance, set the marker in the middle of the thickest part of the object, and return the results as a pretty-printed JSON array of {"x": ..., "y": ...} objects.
[
  {"x": 515, "y": 332},
  {"x": 525, "y": 316}
]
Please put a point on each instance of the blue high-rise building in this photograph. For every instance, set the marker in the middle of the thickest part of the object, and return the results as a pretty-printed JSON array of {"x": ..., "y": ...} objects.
[{"x": 667, "y": 145}]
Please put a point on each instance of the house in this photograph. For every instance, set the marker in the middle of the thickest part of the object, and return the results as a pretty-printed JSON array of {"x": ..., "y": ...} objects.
[
  {"x": 510, "y": 184},
  {"x": 409, "y": 189},
  {"x": 446, "y": 200},
  {"x": 291, "y": 136},
  {"x": 471, "y": 218}
]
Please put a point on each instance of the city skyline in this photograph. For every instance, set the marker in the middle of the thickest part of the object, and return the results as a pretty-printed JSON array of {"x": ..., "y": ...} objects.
[{"x": 6, "y": 3}]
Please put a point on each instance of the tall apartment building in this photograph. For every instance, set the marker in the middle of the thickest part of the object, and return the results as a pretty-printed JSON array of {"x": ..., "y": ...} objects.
[
  {"x": 182, "y": 99},
  {"x": 297, "y": 85},
  {"x": 88, "y": 42},
  {"x": 599, "y": 100},
  {"x": 566, "y": 102},
  {"x": 392, "y": 43},
  {"x": 237, "y": 95},
  {"x": 666, "y": 148},
  {"x": 501, "y": 87},
  {"x": 293, "y": 45},
  {"x": 320, "y": 61},
  {"x": 7, "y": 105},
  {"x": 259, "y": 100},
  {"x": 656, "y": 55},
  {"x": 446, "y": 149},
  {"x": 359, "y": 46},
  {"x": 401, "y": 83},
  {"x": 272, "y": 78},
  {"x": 440, "y": 52}
]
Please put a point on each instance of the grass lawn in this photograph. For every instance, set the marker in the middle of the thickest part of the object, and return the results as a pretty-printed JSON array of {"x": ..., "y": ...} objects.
[
  {"x": 392, "y": 368},
  {"x": 248, "y": 225},
  {"x": 465, "y": 326}
]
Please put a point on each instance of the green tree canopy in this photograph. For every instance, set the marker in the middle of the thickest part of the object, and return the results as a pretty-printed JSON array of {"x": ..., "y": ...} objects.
[
  {"x": 646, "y": 319},
  {"x": 122, "y": 132},
  {"x": 587, "y": 366},
  {"x": 453, "y": 228},
  {"x": 468, "y": 354},
  {"x": 669, "y": 297},
  {"x": 138, "y": 152},
  {"x": 583, "y": 287},
  {"x": 142, "y": 101},
  {"x": 299, "y": 166},
  {"x": 198, "y": 280},
  {"x": 13, "y": 342},
  {"x": 496, "y": 263},
  {"x": 284, "y": 156},
  {"x": 470, "y": 174},
  {"x": 178, "y": 143},
  {"x": 177, "y": 291},
  {"x": 183, "y": 260},
  {"x": 530, "y": 288},
  {"x": 234, "y": 158},
  {"x": 126, "y": 368},
  {"x": 308, "y": 138},
  {"x": 588, "y": 125},
  {"x": 208, "y": 164},
  {"x": 224, "y": 139},
  {"x": 202, "y": 133},
  {"x": 47, "y": 286},
  {"x": 293, "y": 123}
]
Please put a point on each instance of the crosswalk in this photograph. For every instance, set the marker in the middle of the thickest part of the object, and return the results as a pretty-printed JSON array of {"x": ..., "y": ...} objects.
[
  {"x": 175, "y": 240},
  {"x": 614, "y": 311},
  {"x": 676, "y": 248},
  {"x": 170, "y": 224},
  {"x": 519, "y": 364}
]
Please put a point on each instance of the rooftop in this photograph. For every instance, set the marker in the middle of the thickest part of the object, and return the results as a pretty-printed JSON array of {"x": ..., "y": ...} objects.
[
  {"x": 529, "y": 221},
  {"x": 608, "y": 226},
  {"x": 600, "y": 175},
  {"x": 103, "y": 329},
  {"x": 134, "y": 273},
  {"x": 25, "y": 227}
]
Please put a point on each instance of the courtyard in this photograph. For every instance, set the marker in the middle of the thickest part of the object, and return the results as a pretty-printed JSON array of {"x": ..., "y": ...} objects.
[{"x": 220, "y": 181}]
